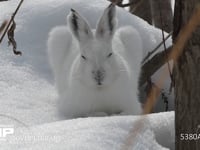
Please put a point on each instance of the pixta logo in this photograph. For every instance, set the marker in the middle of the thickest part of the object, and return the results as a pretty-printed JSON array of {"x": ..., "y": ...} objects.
[{"x": 6, "y": 130}]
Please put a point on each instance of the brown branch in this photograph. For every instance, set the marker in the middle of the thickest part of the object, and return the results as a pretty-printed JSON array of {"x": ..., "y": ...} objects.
[
  {"x": 156, "y": 48},
  {"x": 151, "y": 66}
]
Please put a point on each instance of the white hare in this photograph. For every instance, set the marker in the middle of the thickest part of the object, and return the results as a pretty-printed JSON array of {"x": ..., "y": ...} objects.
[{"x": 96, "y": 70}]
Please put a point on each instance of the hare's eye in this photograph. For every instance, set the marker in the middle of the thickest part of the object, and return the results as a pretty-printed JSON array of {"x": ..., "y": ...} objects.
[
  {"x": 109, "y": 55},
  {"x": 83, "y": 57}
]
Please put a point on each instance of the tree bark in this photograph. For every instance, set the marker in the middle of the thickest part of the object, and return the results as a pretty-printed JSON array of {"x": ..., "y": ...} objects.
[
  {"x": 150, "y": 11},
  {"x": 142, "y": 9},
  {"x": 187, "y": 81},
  {"x": 154, "y": 64},
  {"x": 163, "y": 8}
]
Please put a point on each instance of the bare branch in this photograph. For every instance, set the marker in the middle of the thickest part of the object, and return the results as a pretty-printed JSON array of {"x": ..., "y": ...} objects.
[
  {"x": 151, "y": 66},
  {"x": 156, "y": 48}
]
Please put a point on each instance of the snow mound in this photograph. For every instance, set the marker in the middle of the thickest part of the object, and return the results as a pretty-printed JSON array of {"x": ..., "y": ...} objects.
[
  {"x": 97, "y": 134},
  {"x": 24, "y": 95},
  {"x": 36, "y": 18}
]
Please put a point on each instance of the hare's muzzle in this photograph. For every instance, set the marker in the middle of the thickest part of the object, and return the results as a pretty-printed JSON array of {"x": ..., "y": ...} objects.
[{"x": 98, "y": 76}]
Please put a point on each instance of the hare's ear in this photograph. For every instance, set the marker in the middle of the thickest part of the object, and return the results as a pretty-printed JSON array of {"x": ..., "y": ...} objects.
[
  {"x": 79, "y": 27},
  {"x": 107, "y": 23}
]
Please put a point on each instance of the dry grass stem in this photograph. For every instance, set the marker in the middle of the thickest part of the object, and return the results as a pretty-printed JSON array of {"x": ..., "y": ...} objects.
[
  {"x": 10, "y": 30},
  {"x": 11, "y": 38}
]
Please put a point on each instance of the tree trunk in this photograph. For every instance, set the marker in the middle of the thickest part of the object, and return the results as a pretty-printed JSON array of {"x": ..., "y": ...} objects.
[
  {"x": 187, "y": 81},
  {"x": 163, "y": 8},
  {"x": 150, "y": 10},
  {"x": 142, "y": 9}
]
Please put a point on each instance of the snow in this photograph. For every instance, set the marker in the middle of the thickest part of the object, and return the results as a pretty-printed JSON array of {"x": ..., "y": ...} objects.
[
  {"x": 97, "y": 133},
  {"x": 27, "y": 91},
  {"x": 24, "y": 95}
]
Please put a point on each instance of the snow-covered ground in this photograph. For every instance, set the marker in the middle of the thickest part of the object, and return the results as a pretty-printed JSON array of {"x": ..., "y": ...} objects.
[
  {"x": 104, "y": 133},
  {"x": 27, "y": 91}
]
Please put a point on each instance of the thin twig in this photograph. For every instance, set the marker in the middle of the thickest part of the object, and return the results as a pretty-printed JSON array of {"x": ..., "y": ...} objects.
[
  {"x": 11, "y": 20},
  {"x": 13, "y": 118},
  {"x": 165, "y": 100},
  {"x": 163, "y": 37}
]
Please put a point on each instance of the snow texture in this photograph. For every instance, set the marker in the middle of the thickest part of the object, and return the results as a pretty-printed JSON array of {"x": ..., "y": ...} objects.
[
  {"x": 101, "y": 133},
  {"x": 27, "y": 91}
]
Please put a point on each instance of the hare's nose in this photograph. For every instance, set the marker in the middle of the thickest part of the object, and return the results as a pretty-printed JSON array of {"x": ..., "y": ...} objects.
[{"x": 99, "y": 76}]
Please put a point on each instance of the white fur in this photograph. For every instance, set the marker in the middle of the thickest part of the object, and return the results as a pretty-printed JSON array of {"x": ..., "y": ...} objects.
[{"x": 82, "y": 90}]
